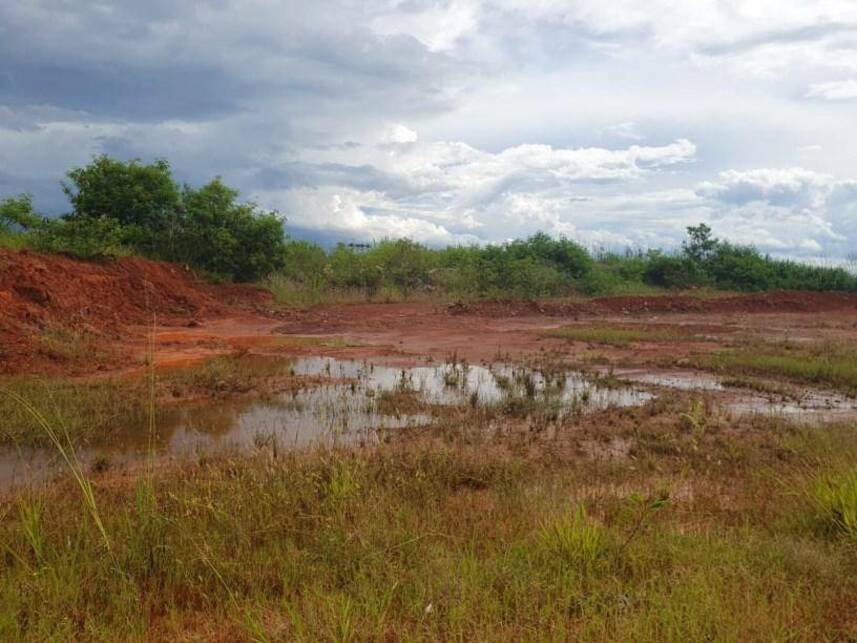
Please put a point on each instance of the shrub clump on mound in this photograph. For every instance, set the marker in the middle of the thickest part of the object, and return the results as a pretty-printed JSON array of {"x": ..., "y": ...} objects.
[{"x": 132, "y": 207}]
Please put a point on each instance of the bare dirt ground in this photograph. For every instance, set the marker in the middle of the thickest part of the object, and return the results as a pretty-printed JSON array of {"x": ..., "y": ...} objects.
[{"x": 61, "y": 316}]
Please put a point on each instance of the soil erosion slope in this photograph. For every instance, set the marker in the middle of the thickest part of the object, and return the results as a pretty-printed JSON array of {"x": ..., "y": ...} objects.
[{"x": 52, "y": 306}]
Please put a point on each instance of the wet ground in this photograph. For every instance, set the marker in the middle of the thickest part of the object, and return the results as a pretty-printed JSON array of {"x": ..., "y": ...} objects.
[
  {"x": 348, "y": 409},
  {"x": 444, "y": 359},
  {"x": 345, "y": 411}
]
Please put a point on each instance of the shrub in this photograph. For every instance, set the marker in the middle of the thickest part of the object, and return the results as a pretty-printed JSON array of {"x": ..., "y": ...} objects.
[
  {"x": 85, "y": 238},
  {"x": 143, "y": 198},
  {"x": 206, "y": 228},
  {"x": 673, "y": 271},
  {"x": 226, "y": 238},
  {"x": 17, "y": 213}
]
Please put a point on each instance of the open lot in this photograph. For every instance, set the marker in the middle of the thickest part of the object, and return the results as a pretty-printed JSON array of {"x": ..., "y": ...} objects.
[{"x": 203, "y": 464}]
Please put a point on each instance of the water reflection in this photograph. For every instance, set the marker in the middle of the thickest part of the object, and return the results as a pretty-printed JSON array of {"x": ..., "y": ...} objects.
[{"x": 344, "y": 411}]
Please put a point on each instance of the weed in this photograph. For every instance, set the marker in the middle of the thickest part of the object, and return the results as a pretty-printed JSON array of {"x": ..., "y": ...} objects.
[
  {"x": 835, "y": 496},
  {"x": 612, "y": 335}
]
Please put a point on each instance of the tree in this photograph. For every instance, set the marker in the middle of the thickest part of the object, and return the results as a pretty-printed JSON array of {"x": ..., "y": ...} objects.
[
  {"x": 229, "y": 239},
  {"x": 700, "y": 245},
  {"x": 142, "y": 198},
  {"x": 17, "y": 212}
]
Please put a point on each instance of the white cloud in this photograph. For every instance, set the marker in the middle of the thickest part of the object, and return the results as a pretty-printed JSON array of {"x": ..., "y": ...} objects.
[
  {"x": 399, "y": 133},
  {"x": 795, "y": 187},
  {"x": 835, "y": 90},
  {"x": 616, "y": 123}
]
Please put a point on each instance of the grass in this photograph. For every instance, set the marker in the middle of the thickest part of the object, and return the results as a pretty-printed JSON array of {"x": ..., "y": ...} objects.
[
  {"x": 760, "y": 386},
  {"x": 830, "y": 363},
  {"x": 710, "y": 531},
  {"x": 290, "y": 294},
  {"x": 612, "y": 335},
  {"x": 835, "y": 495},
  {"x": 89, "y": 409},
  {"x": 427, "y": 544},
  {"x": 12, "y": 241},
  {"x": 72, "y": 346}
]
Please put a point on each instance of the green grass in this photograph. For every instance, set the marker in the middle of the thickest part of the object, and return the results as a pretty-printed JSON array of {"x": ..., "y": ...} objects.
[
  {"x": 90, "y": 409},
  {"x": 291, "y": 294},
  {"x": 612, "y": 335},
  {"x": 830, "y": 364},
  {"x": 12, "y": 241},
  {"x": 423, "y": 544},
  {"x": 708, "y": 533},
  {"x": 835, "y": 495}
]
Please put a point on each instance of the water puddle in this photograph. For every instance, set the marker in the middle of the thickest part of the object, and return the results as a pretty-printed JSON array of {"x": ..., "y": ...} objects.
[
  {"x": 454, "y": 384},
  {"x": 347, "y": 410},
  {"x": 809, "y": 406},
  {"x": 681, "y": 380}
]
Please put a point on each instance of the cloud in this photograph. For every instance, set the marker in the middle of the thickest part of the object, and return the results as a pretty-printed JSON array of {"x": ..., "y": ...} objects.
[
  {"x": 794, "y": 187},
  {"x": 835, "y": 90},
  {"x": 456, "y": 120},
  {"x": 452, "y": 191},
  {"x": 398, "y": 133}
]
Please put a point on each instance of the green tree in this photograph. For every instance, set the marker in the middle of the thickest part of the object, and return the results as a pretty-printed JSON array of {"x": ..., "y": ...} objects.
[
  {"x": 226, "y": 238},
  {"x": 140, "y": 197},
  {"x": 700, "y": 245},
  {"x": 17, "y": 212}
]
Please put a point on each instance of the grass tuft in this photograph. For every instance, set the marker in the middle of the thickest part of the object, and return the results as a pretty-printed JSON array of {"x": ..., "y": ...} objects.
[
  {"x": 612, "y": 335},
  {"x": 835, "y": 497}
]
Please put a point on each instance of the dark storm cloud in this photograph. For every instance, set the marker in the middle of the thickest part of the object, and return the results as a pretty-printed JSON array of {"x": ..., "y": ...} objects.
[
  {"x": 169, "y": 61},
  {"x": 134, "y": 94}
]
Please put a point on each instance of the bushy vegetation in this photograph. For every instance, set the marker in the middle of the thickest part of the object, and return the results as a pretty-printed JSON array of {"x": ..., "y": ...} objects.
[
  {"x": 133, "y": 207},
  {"x": 537, "y": 267}
]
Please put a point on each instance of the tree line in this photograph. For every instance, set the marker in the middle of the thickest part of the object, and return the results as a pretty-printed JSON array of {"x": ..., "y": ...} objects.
[{"x": 122, "y": 207}]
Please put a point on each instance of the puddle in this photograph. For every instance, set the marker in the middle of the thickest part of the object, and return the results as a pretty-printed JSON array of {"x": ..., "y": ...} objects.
[
  {"x": 453, "y": 384},
  {"x": 344, "y": 411},
  {"x": 322, "y": 415},
  {"x": 811, "y": 406},
  {"x": 682, "y": 380}
]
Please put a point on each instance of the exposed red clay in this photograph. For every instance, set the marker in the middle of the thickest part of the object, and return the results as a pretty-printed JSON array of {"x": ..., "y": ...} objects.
[{"x": 112, "y": 305}]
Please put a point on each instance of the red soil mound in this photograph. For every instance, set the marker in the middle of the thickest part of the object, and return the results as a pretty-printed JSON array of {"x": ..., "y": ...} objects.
[{"x": 41, "y": 295}]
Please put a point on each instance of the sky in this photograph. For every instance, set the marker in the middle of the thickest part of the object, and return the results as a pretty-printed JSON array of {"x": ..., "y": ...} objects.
[{"x": 617, "y": 124}]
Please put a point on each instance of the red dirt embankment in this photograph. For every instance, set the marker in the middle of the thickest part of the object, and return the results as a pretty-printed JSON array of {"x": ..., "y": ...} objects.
[
  {"x": 769, "y": 302},
  {"x": 45, "y": 296},
  {"x": 63, "y": 316}
]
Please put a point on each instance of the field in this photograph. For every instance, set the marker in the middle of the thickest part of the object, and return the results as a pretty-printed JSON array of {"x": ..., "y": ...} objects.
[{"x": 190, "y": 461}]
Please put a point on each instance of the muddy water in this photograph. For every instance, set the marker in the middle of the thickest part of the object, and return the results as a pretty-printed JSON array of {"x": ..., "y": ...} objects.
[
  {"x": 808, "y": 406},
  {"x": 453, "y": 384},
  {"x": 345, "y": 411}
]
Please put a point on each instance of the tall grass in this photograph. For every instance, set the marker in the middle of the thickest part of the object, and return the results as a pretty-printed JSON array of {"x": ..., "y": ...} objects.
[
  {"x": 832, "y": 364},
  {"x": 62, "y": 443},
  {"x": 835, "y": 495},
  {"x": 428, "y": 542}
]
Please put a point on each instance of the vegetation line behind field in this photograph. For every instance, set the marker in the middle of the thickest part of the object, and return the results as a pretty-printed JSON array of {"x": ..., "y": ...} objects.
[{"x": 121, "y": 207}]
